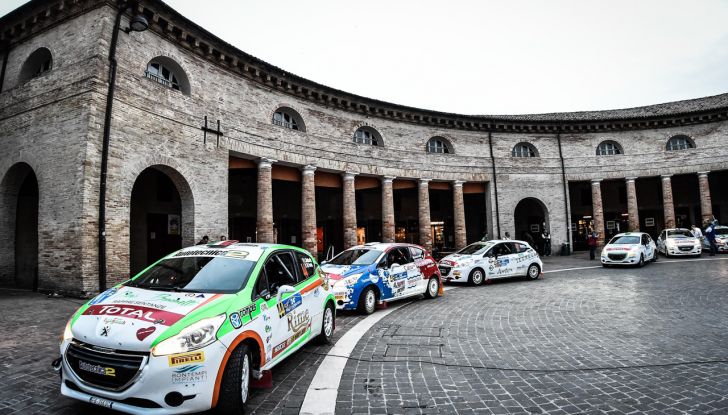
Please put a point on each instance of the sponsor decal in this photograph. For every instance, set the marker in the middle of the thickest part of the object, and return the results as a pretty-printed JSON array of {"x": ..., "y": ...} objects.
[
  {"x": 186, "y": 358},
  {"x": 278, "y": 349},
  {"x": 101, "y": 402},
  {"x": 129, "y": 294},
  {"x": 317, "y": 292},
  {"x": 203, "y": 252},
  {"x": 235, "y": 320},
  {"x": 266, "y": 317},
  {"x": 143, "y": 333},
  {"x": 289, "y": 304},
  {"x": 170, "y": 298},
  {"x": 114, "y": 320},
  {"x": 263, "y": 307},
  {"x": 134, "y": 312},
  {"x": 103, "y": 296},
  {"x": 104, "y": 331},
  {"x": 267, "y": 338},
  {"x": 195, "y": 295},
  {"x": 189, "y": 374},
  {"x": 142, "y": 303},
  {"x": 97, "y": 369},
  {"x": 298, "y": 321},
  {"x": 237, "y": 254},
  {"x": 268, "y": 328},
  {"x": 247, "y": 310}
]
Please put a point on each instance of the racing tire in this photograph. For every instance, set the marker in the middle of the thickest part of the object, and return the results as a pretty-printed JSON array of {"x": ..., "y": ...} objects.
[
  {"x": 328, "y": 324},
  {"x": 235, "y": 384},
  {"x": 642, "y": 261},
  {"x": 654, "y": 256},
  {"x": 476, "y": 277},
  {"x": 533, "y": 272},
  {"x": 367, "y": 301},
  {"x": 433, "y": 288}
]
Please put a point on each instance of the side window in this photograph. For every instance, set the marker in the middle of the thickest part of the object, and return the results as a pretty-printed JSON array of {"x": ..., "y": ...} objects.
[
  {"x": 417, "y": 253},
  {"x": 518, "y": 247},
  {"x": 261, "y": 286},
  {"x": 398, "y": 256},
  {"x": 280, "y": 271},
  {"x": 306, "y": 266}
]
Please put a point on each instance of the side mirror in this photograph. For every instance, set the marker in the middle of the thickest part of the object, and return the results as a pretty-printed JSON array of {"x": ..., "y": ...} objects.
[
  {"x": 394, "y": 265},
  {"x": 285, "y": 289},
  {"x": 265, "y": 294},
  {"x": 324, "y": 262}
]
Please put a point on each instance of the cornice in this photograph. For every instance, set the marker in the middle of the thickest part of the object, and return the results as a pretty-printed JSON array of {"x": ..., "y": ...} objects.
[{"x": 37, "y": 16}]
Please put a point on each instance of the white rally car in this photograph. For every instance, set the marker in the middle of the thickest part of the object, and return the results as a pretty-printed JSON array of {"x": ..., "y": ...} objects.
[
  {"x": 678, "y": 242},
  {"x": 493, "y": 259},
  {"x": 196, "y": 329},
  {"x": 721, "y": 239},
  {"x": 630, "y": 248}
]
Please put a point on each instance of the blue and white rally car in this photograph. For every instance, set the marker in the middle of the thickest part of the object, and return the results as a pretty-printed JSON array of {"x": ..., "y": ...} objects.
[{"x": 376, "y": 272}]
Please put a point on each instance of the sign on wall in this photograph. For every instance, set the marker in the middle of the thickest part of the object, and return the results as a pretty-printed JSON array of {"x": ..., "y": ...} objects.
[
  {"x": 535, "y": 227},
  {"x": 611, "y": 225},
  {"x": 649, "y": 221},
  {"x": 173, "y": 225}
]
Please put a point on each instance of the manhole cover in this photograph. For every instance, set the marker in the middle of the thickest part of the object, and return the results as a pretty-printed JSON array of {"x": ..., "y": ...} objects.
[{"x": 414, "y": 350}]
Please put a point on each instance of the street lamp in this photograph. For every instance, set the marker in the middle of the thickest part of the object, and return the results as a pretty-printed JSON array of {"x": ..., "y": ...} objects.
[{"x": 138, "y": 23}]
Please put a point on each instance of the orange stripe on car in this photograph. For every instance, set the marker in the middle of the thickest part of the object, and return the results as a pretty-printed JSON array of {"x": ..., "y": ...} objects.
[
  {"x": 245, "y": 335},
  {"x": 312, "y": 286},
  {"x": 214, "y": 297}
]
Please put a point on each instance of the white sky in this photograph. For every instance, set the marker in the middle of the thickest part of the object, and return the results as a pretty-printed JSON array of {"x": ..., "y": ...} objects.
[{"x": 485, "y": 57}]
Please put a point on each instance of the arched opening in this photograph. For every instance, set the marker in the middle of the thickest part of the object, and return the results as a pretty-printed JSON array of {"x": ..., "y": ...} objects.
[
  {"x": 20, "y": 227},
  {"x": 38, "y": 63},
  {"x": 368, "y": 135},
  {"x": 168, "y": 72},
  {"x": 161, "y": 216},
  {"x": 531, "y": 216},
  {"x": 289, "y": 118}
]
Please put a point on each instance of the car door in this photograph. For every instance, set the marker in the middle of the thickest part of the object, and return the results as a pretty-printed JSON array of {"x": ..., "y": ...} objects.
[
  {"x": 426, "y": 266},
  {"x": 309, "y": 285},
  {"x": 393, "y": 274},
  {"x": 647, "y": 247},
  {"x": 499, "y": 261}
]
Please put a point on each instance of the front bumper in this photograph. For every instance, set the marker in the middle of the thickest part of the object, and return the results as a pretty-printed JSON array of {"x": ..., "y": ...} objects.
[
  {"x": 682, "y": 251},
  {"x": 627, "y": 260},
  {"x": 448, "y": 273},
  {"x": 157, "y": 378},
  {"x": 343, "y": 296}
]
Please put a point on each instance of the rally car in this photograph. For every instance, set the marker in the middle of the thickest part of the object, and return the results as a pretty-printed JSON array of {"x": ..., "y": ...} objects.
[
  {"x": 678, "y": 242},
  {"x": 193, "y": 330},
  {"x": 365, "y": 275},
  {"x": 493, "y": 259},
  {"x": 630, "y": 248},
  {"x": 721, "y": 239}
]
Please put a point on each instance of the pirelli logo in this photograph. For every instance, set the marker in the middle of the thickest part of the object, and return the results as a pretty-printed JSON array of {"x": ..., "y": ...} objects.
[{"x": 187, "y": 358}]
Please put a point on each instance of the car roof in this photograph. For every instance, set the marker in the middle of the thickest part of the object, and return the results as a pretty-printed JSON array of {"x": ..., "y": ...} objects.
[
  {"x": 253, "y": 251},
  {"x": 383, "y": 246},
  {"x": 631, "y": 234},
  {"x": 677, "y": 229}
]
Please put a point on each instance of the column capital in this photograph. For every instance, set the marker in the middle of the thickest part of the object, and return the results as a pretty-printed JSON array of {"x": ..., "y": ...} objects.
[
  {"x": 703, "y": 173},
  {"x": 308, "y": 169},
  {"x": 266, "y": 163},
  {"x": 388, "y": 179},
  {"x": 424, "y": 182},
  {"x": 595, "y": 181},
  {"x": 458, "y": 183},
  {"x": 665, "y": 176},
  {"x": 630, "y": 179},
  {"x": 349, "y": 175}
]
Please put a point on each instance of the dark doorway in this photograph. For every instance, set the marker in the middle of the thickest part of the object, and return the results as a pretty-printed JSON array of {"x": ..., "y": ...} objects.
[
  {"x": 242, "y": 203},
  {"x": 530, "y": 218},
  {"x": 406, "y": 213},
  {"x": 580, "y": 201},
  {"x": 26, "y": 234},
  {"x": 369, "y": 215},
  {"x": 287, "y": 212},
  {"x": 476, "y": 226},
  {"x": 156, "y": 219},
  {"x": 442, "y": 220},
  {"x": 329, "y": 221}
]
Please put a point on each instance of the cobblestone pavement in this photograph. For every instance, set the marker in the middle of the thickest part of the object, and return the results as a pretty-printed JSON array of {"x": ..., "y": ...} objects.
[{"x": 652, "y": 340}]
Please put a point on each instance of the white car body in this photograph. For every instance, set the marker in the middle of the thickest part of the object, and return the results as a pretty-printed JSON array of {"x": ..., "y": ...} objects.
[
  {"x": 721, "y": 239},
  {"x": 477, "y": 256},
  {"x": 678, "y": 242},
  {"x": 627, "y": 249}
]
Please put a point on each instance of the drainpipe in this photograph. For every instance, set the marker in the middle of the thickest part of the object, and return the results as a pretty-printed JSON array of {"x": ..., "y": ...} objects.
[
  {"x": 566, "y": 197},
  {"x": 495, "y": 184}
]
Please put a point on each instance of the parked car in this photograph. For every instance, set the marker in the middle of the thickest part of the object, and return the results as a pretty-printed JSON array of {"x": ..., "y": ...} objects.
[
  {"x": 721, "y": 239},
  {"x": 493, "y": 259},
  {"x": 630, "y": 248},
  {"x": 678, "y": 242},
  {"x": 365, "y": 275},
  {"x": 190, "y": 332}
]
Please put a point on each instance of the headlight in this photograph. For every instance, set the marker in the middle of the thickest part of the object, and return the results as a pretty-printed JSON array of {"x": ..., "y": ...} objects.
[
  {"x": 351, "y": 279},
  {"x": 194, "y": 337},
  {"x": 67, "y": 334}
]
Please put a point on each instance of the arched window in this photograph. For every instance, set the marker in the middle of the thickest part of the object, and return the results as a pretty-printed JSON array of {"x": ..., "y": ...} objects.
[
  {"x": 679, "y": 142},
  {"x": 38, "y": 63},
  {"x": 524, "y": 150},
  {"x": 368, "y": 135},
  {"x": 609, "y": 148},
  {"x": 439, "y": 145},
  {"x": 288, "y": 118},
  {"x": 167, "y": 72}
]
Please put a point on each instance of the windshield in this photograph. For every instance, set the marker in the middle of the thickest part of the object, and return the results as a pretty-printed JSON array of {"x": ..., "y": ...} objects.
[
  {"x": 197, "y": 274},
  {"x": 356, "y": 257},
  {"x": 474, "y": 249},
  {"x": 625, "y": 240},
  {"x": 679, "y": 233},
  {"x": 721, "y": 231}
]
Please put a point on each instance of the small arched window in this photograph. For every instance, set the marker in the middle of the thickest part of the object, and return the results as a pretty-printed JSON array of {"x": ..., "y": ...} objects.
[
  {"x": 38, "y": 63},
  {"x": 368, "y": 135},
  {"x": 679, "y": 142},
  {"x": 288, "y": 118},
  {"x": 609, "y": 148},
  {"x": 439, "y": 145},
  {"x": 167, "y": 72},
  {"x": 524, "y": 150}
]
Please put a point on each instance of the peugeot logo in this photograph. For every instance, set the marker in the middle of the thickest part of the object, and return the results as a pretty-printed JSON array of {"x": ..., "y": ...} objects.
[{"x": 105, "y": 331}]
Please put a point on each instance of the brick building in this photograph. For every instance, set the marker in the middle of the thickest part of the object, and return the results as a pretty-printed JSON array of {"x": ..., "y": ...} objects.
[{"x": 208, "y": 140}]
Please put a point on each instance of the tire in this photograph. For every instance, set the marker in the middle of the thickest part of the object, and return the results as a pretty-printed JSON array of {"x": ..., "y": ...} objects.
[
  {"x": 476, "y": 277},
  {"x": 654, "y": 256},
  {"x": 433, "y": 288},
  {"x": 328, "y": 324},
  {"x": 367, "y": 301},
  {"x": 533, "y": 272},
  {"x": 235, "y": 384},
  {"x": 642, "y": 261}
]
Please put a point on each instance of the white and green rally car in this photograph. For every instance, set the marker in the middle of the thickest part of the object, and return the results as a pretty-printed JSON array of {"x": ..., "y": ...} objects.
[{"x": 190, "y": 332}]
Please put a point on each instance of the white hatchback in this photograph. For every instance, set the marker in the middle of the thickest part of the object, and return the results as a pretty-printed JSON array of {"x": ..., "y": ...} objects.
[
  {"x": 483, "y": 261},
  {"x": 630, "y": 248},
  {"x": 678, "y": 242}
]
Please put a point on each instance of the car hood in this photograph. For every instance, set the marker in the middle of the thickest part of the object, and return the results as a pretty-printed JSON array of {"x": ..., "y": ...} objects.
[
  {"x": 454, "y": 258},
  {"x": 621, "y": 247},
  {"x": 687, "y": 240},
  {"x": 129, "y": 318},
  {"x": 337, "y": 272}
]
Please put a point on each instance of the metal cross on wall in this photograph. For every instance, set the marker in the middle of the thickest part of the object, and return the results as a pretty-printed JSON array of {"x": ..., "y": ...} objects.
[{"x": 205, "y": 129}]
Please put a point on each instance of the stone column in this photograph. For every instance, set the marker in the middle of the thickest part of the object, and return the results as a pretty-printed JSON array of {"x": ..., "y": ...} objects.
[
  {"x": 424, "y": 215},
  {"x": 632, "y": 208},
  {"x": 459, "y": 213},
  {"x": 597, "y": 210},
  {"x": 667, "y": 201},
  {"x": 706, "y": 205},
  {"x": 349, "y": 210},
  {"x": 264, "y": 222},
  {"x": 387, "y": 209},
  {"x": 308, "y": 213}
]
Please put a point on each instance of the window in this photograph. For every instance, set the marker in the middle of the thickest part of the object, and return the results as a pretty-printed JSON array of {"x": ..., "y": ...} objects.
[
  {"x": 288, "y": 118},
  {"x": 679, "y": 142},
  {"x": 167, "y": 72},
  {"x": 417, "y": 253},
  {"x": 438, "y": 145},
  {"x": 305, "y": 265},
  {"x": 500, "y": 249},
  {"x": 609, "y": 148},
  {"x": 38, "y": 63},
  {"x": 367, "y": 135},
  {"x": 519, "y": 247},
  {"x": 524, "y": 150},
  {"x": 280, "y": 271},
  {"x": 399, "y": 256}
]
